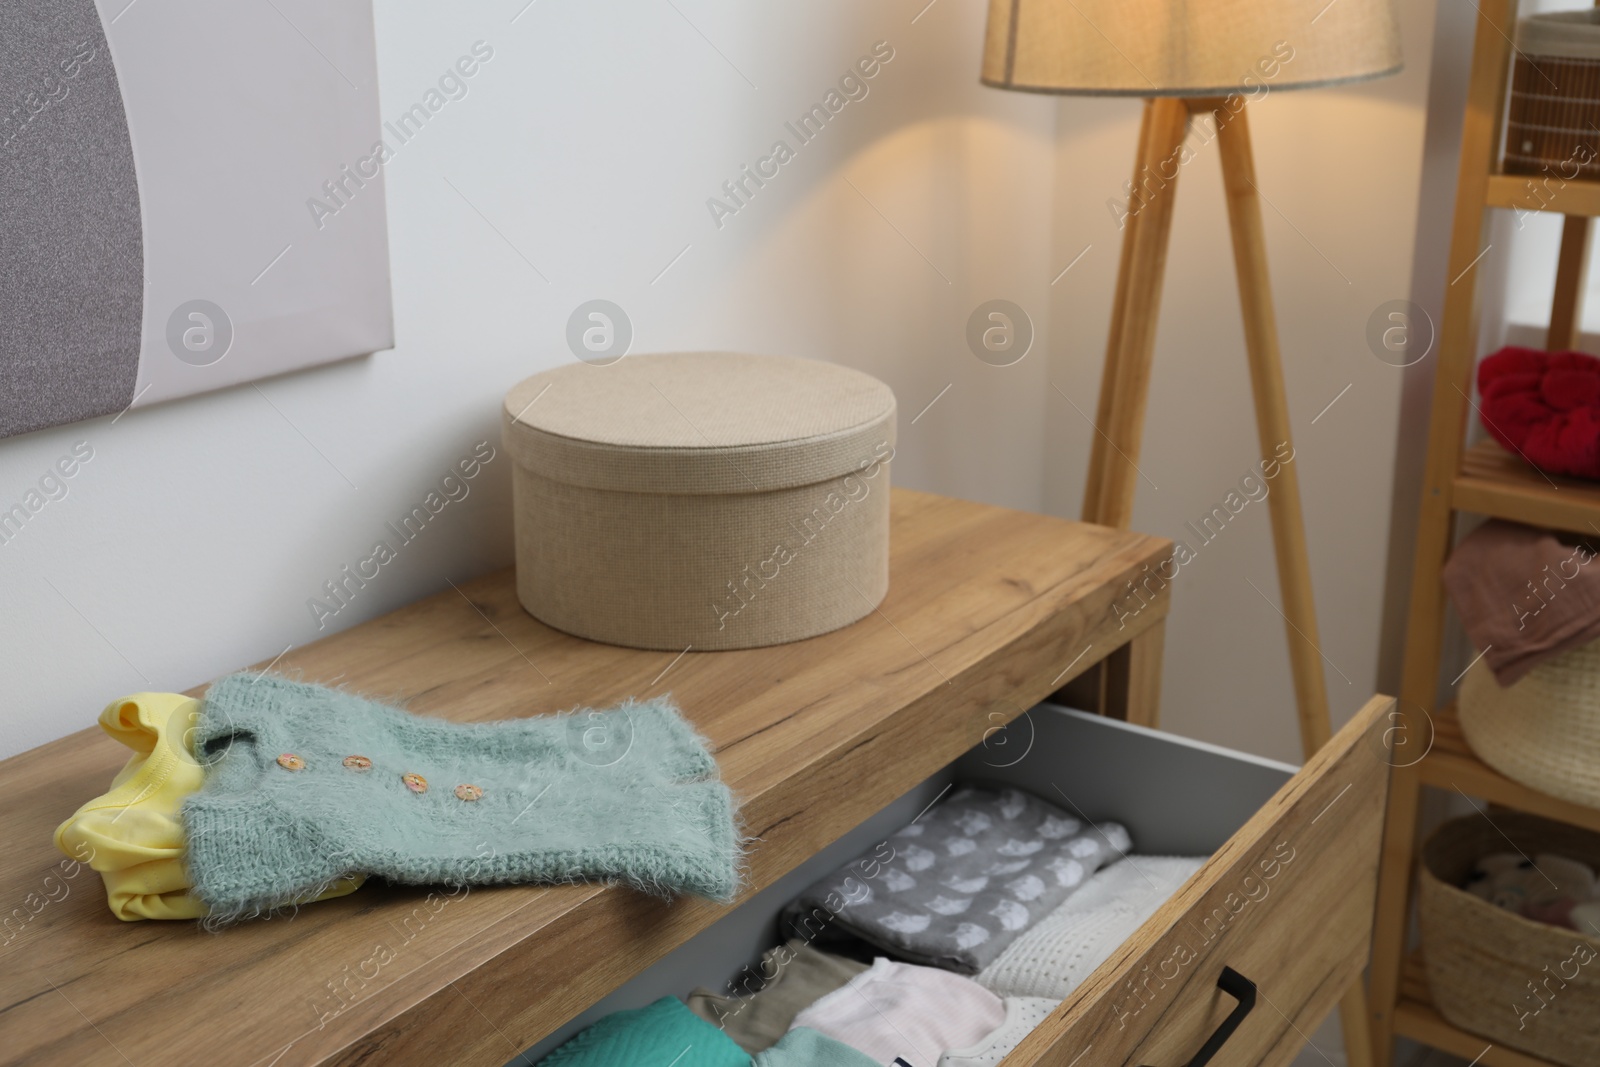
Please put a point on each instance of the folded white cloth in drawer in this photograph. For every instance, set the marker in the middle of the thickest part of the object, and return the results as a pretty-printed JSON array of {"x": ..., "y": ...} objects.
[
  {"x": 1050, "y": 958},
  {"x": 1022, "y": 1015},
  {"x": 899, "y": 1011}
]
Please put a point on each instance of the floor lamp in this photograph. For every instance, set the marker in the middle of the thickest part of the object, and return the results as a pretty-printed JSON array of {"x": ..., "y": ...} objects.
[{"x": 1189, "y": 58}]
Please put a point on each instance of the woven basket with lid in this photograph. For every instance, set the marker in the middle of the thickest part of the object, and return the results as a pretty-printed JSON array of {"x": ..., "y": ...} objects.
[
  {"x": 711, "y": 500},
  {"x": 1543, "y": 730},
  {"x": 1554, "y": 108}
]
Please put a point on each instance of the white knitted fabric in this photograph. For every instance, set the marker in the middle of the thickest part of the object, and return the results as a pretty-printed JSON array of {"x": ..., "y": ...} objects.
[
  {"x": 1062, "y": 949},
  {"x": 899, "y": 1010},
  {"x": 1022, "y": 1015}
]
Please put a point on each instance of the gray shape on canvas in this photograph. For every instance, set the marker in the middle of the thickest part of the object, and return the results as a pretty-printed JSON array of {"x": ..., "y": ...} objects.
[{"x": 71, "y": 244}]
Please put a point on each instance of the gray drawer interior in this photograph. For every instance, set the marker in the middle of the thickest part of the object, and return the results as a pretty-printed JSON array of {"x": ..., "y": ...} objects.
[{"x": 1175, "y": 796}]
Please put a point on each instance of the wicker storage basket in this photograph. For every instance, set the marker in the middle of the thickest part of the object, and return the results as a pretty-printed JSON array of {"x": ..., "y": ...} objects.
[
  {"x": 1555, "y": 97},
  {"x": 1543, "y": 731},
  {"x": 1524, "y": 984},
  {"x": 701, "y": 499}
]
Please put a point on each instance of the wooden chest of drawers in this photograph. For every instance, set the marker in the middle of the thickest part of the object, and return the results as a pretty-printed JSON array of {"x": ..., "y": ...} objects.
[{"x": 828, "y": 742}]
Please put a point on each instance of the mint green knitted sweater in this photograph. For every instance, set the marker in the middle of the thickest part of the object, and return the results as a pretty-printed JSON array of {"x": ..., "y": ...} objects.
[{"x": 306, "y": 784}]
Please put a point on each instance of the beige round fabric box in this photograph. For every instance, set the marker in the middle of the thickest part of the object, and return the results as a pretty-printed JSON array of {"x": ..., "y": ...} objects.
[{"x": 710, "y": 500}]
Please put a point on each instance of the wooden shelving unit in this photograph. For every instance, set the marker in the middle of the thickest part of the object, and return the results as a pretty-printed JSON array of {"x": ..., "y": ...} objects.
[
  {"x": 1495, "y": 482},
  {"x": 1519, "y": 192},
  {"x": 1452, "y": 765},
  {"x": 1484, "y": 479}
]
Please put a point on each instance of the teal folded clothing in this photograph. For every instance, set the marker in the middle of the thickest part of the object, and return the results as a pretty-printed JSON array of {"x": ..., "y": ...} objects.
[
  {"x": 662, "y": 1034},
  {"x": 805, "y": 1047},
  {"x": 304, "y": 785}
]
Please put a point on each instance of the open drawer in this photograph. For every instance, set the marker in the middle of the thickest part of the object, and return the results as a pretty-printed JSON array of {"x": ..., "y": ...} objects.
[{"x": 1285, "y": 901}]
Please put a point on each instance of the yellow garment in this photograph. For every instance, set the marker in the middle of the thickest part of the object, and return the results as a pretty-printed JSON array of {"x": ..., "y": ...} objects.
[{"x": 133, "y": 835}]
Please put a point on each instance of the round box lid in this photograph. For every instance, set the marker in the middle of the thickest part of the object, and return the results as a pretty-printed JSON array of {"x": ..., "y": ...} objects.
[
  {"x": 699, "y": 422},
  {"x": 1560, "y": 35}
]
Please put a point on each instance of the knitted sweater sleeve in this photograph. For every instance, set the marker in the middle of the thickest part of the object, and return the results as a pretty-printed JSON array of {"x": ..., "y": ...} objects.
[{"x": 305, "y": 785}]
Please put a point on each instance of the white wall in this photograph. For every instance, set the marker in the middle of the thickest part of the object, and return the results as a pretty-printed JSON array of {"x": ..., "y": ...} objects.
[
  {"x": 191, "y": 542},
  {"x": 189, "y": 545}
]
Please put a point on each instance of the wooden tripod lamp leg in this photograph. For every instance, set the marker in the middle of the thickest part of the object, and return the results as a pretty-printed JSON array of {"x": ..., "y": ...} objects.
[
  {"x": 1119, "y": 417},
  {"x": 1288, "y": 523},
  {"x": 1128, "y": 685},
  {"x": 1272, "y": 424},
  {"x": 1108, "y": 393},
  {"x": 1124, "y": 386}
]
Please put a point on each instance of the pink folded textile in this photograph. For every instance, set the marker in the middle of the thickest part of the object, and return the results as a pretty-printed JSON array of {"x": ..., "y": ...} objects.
[{"x": 1524, "y": 595}]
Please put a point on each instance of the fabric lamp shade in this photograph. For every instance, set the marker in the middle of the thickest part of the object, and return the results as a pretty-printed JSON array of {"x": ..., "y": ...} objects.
[{"x": 1187, "y": 47}]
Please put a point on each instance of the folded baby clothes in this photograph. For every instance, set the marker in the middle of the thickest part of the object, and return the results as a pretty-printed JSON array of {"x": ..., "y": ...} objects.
[
  {"x": 765, "y": 1000},
  {"x": 899, "y": 1011},
  {"x": 807, "y": 1048},
  {"x": 1548, "y": 888},
  {"x": 1022, "y": 1015},
  {"x": 661, "y": 1034},
  {"x": 133, "y": 834},
  {"x": 957, "y": 885},
  {"x": 1065, "y": 947},
  {"x": 305, "y": 785},
  {"x": 1524, "y": 595}
]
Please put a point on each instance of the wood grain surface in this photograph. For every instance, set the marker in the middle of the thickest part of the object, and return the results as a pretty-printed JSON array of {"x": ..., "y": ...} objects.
[
  {"x": 988, "y": 611},
  {"x": 1495, "y": 482},
  {"x": 1287, "y": 902}
]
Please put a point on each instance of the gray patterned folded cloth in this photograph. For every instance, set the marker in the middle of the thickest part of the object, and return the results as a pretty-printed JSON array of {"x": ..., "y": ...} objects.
[{"x": 958, "y": 885}]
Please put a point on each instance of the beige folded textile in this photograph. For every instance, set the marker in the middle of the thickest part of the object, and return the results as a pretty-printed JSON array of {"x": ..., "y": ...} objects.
[{"x": 766, "y": 999}]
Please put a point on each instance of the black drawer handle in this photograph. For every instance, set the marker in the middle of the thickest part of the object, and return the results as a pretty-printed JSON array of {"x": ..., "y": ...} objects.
[{"x": 1241, "y": 989}]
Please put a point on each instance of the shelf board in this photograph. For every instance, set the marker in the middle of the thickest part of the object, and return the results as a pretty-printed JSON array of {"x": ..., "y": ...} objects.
[
  {"x": 1495, "y": 482},
  {"x": 1533, "y": 192},
  {"x": 1451, "y": 764},
  {"x": 1416, "y": 1017}
]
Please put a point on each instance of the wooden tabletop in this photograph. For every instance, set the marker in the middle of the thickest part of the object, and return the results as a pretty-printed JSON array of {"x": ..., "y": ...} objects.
[{"x": 988, "y": 611}]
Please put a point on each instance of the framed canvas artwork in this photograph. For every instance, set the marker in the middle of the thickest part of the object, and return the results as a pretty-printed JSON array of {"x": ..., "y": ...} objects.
[{"x": 191, "y": 196}]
